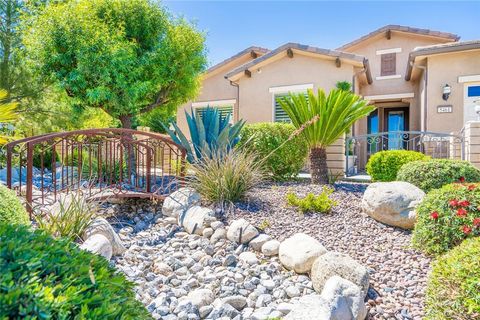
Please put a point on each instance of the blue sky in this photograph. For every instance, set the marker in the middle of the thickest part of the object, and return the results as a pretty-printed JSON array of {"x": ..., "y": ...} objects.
[{"x": 231, "y": 26}]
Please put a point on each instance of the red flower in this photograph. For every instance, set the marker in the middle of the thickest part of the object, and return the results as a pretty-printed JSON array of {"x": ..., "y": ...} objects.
[
  {"x": 472, "y": 187},
  {"x": 464, "y": 203},
  {"x": 466, "y": 229},
  {"x": 476, "y": 222},
  {"x": 461, "y": 179},
  {"x": 434, "y": 215},
  {"x": 461, "y": 212},
  {"x": 453, "y": 203}
]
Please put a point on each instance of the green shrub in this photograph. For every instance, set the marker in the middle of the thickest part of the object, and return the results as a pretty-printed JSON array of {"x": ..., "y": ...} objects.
[
  {"x": 11, "y": 209},
  {"x": 312, "y": 203},
  {"x": 384, "y": 165},
  {"x": 435, "y": 173},
  {"x": 264, "y": 139},
  {"x": 225, "y": 176},
  {"x": 453, "y": 290},
  {"x": 45, "y": 278},
  {"x": 446, "y": 217},
  {"x": 47, "y": 157}
]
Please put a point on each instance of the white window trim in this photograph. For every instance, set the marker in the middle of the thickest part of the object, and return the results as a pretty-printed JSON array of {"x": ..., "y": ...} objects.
[
  {"x": 214, "y": 103},
  {"x": 385, "y": 51},
  {"x": 292, "y": 88},
  {"x": 394, "y": 76},
  {"x": 390, "y": 96},
  {"x": 472, "y": 78}
]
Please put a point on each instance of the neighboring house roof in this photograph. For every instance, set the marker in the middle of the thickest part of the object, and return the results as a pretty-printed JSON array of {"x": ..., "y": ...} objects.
[
  {"x": 450, "y": 47},
  {"x": 253, "y": 50},
  {"x": 302, "y": 48},
  {"x": 392, "y": 27}
]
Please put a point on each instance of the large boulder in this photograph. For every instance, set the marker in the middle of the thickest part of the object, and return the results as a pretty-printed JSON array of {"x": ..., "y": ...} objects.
[
  {"x": 392, "y": 203},
  {"x": 257, "y": 242},
  {"x": 343, "y": 295},
  {"x": 194, "y": 219},
  {"x": 101, "y": 226},
  {"x": 98, "y": 244},
  {"x": 201, "y": 297},
  {"x": 310, "y": 307},
  {"x": 299, "y": 252},
  {"x": 241, "y": 231},
  {"x": 338, "y": 264},
  {"x": 180, "y": 201}
]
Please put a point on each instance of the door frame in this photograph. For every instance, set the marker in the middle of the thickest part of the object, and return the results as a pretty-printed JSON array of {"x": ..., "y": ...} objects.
[{"x": 406, "y": 111}]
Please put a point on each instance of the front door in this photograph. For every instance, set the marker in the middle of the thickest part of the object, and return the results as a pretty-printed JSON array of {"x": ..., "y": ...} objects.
[{"x": 396, "y": 121}]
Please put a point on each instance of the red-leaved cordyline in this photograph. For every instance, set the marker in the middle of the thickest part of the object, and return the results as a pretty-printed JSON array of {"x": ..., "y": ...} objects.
[
  {"x": 466, "y": 229},
  {"x": 434, "y": 215}
]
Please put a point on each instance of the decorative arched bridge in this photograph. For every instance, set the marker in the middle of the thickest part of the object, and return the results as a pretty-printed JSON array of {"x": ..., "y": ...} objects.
[{"x": 102, "y": 163}]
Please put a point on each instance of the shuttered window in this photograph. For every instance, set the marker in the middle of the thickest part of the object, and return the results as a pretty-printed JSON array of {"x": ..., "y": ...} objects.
[
  {"x": 280, "y": 114},
  {"x": 224, "y": 111},
  {"x": 388, "y": 64}
]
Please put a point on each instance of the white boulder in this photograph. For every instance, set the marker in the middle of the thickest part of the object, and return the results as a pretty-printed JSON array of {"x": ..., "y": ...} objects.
[
  {"x": 345, "y": 296},
  {"x": 257, "y": 242},
  {"x": 241, "y": 231},
  {"x": 310, "y": 307},
  {"x": 180, "y": 201},
  {"x": 270, "y": 248},
  {"x": 194, "y": 219},
  {"x": 98, "y": 244},
  {"x": 338, "y": 264},
  {"x": 201, "y": 297},
  {"x": 392, "y": 203},
  {"x": 101, "y": 226},
  {"x": 298, "y": 252}
]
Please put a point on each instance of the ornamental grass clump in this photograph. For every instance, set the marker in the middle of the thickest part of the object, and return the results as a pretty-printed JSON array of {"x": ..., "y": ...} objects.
[
  {"x": 313, "y": 203},
  {"x": 453, "y": 290},
  {"x": 226, "y": 176},
  {"x": 46, "y": 278},
  {"x": 446, "y": 217}
]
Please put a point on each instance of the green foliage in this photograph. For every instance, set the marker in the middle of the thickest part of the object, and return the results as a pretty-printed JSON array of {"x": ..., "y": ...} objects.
[
  {"x": 11, "y": 209},
  {"x": 281, "y": 152},
  {"x": 46, "y": 159},
  {"x": 226, "y": 176},
  {"x": 44, "y": 278},
  {"x": 322, "y": 120},
  {"x": 156, "y": 118},
  {"x": 73, "y": 215},
  {"x": 312, "y": 203},
  {"x": 264, "y": 225},
  {"x": 8, "y": 112},
  {"x": 435, "y": 173},
  {"x": 125, "y": 57},
  {"x": 344, "y": 85},
  {"x": 211, "y": 134},
  {"x": 453, "y": 290},
  {"x": 384, "y": 165},
  {"x": 446, "y": 217}
]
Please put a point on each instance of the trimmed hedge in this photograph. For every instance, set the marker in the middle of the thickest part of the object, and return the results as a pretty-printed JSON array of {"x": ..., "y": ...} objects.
[
  {"x": 263, "y": 138},
  {"x": 453, "y": 290},
  {"x": 384, "y": 165},
  {"x": 446, "y": 217},
  {"x": 44, "y": 278},
  {"x": 435, "y": 173},
  {"x": 12, "y": 211}
]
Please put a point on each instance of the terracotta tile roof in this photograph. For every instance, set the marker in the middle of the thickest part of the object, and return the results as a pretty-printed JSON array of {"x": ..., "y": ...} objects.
[
  {"x": 238, "y": 55},
  {"x": 392, "y": 27}
]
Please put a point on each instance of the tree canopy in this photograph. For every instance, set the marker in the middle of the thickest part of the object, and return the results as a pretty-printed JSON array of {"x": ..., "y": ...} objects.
[{"x": 125, "y": 57}]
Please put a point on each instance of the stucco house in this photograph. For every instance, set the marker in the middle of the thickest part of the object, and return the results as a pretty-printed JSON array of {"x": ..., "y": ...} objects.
[{"x": 424, "y": 83}]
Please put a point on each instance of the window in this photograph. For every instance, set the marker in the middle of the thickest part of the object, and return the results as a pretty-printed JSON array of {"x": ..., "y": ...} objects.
[
  {"x": 473, "y": 91},
  {"x": 224, "y": 111},
  {"x": 280, "y": 114},
  {"x": 388, "y": 64}
]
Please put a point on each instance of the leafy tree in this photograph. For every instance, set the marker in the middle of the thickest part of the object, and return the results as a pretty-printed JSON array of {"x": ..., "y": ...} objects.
[
  {"x": 7, "y": 112},
  {"x": 125, "y": 57},
  {"x": 335, "y": 114}
]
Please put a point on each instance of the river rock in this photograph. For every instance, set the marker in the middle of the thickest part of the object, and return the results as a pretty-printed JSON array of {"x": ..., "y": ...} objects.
[
  {"x": 180, "y": 201},
  {"x": 298, "y": 252},
  {"x": 241, "y": 231}
]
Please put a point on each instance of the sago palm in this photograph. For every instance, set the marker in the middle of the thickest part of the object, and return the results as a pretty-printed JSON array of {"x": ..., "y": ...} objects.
[
  {"x": 7, "y": 112},
  {"x": 335, "y": 115}
]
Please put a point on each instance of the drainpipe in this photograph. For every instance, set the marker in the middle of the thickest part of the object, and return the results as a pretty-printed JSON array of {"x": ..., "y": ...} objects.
[
  {"x": 238, "y": 100},
  {"x": 425, "y": 70}
]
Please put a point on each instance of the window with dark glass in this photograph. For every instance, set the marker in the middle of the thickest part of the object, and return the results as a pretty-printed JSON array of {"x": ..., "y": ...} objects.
[{"x": 388, "y": 64}]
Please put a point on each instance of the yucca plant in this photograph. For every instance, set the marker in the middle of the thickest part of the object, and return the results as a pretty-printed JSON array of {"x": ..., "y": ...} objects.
[
  {"x": 336, "y": 114},
  {"x": 7, "y": 112},
  {"x": 210, "y": 134}
]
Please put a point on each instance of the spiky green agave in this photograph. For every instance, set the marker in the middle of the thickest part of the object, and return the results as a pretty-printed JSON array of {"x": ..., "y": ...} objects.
[{"x": 209, "y": 134}]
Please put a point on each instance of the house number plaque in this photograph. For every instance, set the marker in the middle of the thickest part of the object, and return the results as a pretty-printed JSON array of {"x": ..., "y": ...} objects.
[{"x": 445, "y": 108}]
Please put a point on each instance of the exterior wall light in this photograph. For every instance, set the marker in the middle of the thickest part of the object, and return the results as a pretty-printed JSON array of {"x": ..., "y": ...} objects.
[
  {"x": 446, "y": 92},
  {"x": 477, "y": 108}
]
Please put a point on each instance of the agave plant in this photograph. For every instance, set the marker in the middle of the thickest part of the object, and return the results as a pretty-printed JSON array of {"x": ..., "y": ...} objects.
[
  {"x": 7, "y": 112},
  {"x": 336, "y": 114},
  {"x": 210, "y": 134}
]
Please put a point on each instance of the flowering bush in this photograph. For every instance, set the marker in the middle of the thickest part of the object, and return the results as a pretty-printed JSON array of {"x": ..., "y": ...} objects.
[
  {"x": 453, "y": 286},
  {"x": 435, "y": 173},
  {"x": 384, "y": 165},
  {"x": 446, "y": 217}
]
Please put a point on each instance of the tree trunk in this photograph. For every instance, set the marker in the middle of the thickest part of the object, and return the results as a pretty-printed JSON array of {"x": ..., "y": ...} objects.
[
  {"x": 126, "y": 121},
  {"x": 130, "y": 158},
  {"x": 318, "y": 165}
]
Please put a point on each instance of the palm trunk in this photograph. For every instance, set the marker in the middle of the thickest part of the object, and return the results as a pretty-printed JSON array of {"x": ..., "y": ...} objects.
[{"x": 318, "y": 165}]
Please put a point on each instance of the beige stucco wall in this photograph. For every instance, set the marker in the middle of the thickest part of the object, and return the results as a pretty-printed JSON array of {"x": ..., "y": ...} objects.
[
  {"x": 445, "y": 69},
  {"x": 256, "y": 102}
]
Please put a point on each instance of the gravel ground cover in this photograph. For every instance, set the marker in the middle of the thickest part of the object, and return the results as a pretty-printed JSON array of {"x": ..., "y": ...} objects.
[{"x": 397, "y": 273}]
